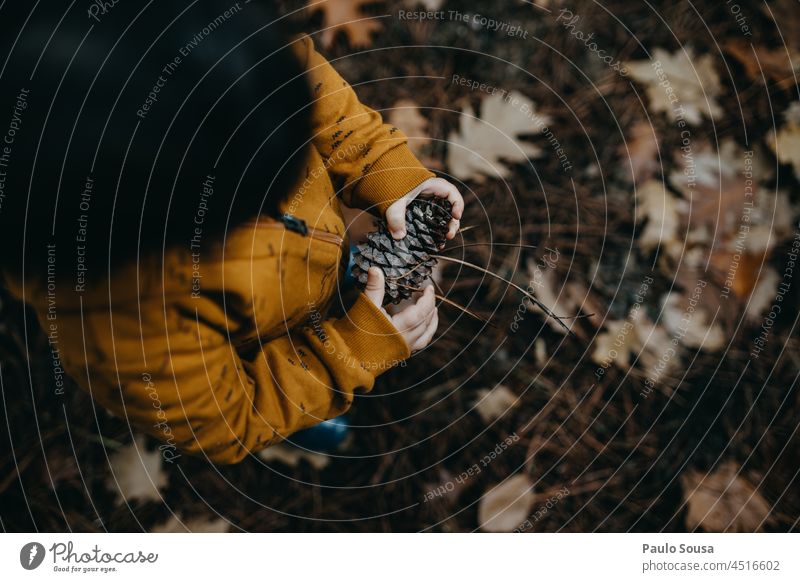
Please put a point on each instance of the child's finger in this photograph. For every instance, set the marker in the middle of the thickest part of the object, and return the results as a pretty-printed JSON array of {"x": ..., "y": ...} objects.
[
  {"x": 427, "y": 302},
  {"x": 396, "y": 219},
  {"x": 443, "y": 189},
  {"x": 375, "y": 288},
  {"x": 453, "y": 229},
  {"x": 455, "y": 198},
  {"x": 418, "y": 329},
  {"x": 416, "y": 316},
  {"x": 427, "y": 335}
]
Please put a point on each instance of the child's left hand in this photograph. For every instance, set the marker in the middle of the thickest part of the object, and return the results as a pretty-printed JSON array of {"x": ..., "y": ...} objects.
[{"x": 396, "y": 213}]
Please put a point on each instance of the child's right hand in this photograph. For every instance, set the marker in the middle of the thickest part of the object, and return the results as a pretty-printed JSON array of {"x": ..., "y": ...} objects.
[{"x": 416, "y": 323}]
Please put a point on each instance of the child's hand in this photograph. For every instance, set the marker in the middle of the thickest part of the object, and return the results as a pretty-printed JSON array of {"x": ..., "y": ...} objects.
[
  {"x": 396, "y": 213},
  {"x": 416, "y": 323}
]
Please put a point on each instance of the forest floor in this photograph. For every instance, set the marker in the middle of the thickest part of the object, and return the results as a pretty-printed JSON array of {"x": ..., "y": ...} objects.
[{"x": 618, "y": 139}]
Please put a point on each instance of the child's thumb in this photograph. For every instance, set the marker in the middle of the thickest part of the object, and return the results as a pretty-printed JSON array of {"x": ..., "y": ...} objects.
[
  {"x": 375, "y": 286},
  {"x": 396, "y": 219}
]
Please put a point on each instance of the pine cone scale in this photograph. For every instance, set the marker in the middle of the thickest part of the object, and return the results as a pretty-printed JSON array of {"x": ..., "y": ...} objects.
[{"x": 406, "y": 263}]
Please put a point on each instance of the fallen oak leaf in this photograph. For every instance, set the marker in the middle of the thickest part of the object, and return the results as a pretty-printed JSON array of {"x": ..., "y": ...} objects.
[
  {"x": 731, "y": 223},
  {"x": 690, "y": 322},
  {"x": 136, "y": 473},
  {"x": 680, "y": 80},
  {"x": 292, "y": 456},
  {"x": 345, "y": 16},
  {"x": 175, "y": 524},
  {"x": 762, "y": 64},
  {"x": 737, "y": 270},
  {"x": 786, "y": 142},
  {"x": 723, "y": 500},
  {"x": 495, "y": 402},
  {"x": 503, "y": 507},
  {"x": 405, "y": 116},
  {"x": 660, "y": 209},
  {"x": 641, "y": 151},
  {"x": 762, "y": 296},
  {"x": 479, "y": 147},
  {"x": 429, "y": 5},
  {"x": 567, "y": 299},
  {"x": 721, "y": 194},
  {"x": 634, "y": 337}
]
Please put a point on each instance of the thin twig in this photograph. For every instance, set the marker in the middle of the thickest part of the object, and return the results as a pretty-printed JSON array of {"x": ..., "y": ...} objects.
[
  {"x": 450, "y": 302},
  {"x": 479, "y": 244},
  {"x": 535, "y": 301},
  {"x": 464, "y": 309}
]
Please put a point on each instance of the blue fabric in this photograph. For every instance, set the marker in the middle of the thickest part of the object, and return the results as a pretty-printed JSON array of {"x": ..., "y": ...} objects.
[{"x": 323, "y": 438}]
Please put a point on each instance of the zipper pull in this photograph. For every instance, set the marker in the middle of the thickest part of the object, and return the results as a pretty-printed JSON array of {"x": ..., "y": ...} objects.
[{"x": 295, "y": 224}]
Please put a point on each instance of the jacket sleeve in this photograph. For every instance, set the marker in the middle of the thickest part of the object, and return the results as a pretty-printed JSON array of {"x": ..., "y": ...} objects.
[
  {"x": 369, "y": 160},
  {"x": 192, "y": 389}
]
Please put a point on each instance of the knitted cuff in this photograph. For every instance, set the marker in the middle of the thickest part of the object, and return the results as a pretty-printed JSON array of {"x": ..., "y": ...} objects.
[{"x": 371, "y": 337}]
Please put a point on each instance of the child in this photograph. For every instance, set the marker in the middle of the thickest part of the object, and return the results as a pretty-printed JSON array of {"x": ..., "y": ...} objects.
[{"x": 172, "y": 288}]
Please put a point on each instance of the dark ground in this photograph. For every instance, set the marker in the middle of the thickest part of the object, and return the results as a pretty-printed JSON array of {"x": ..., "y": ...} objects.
[{"x": 621, "y": 455}]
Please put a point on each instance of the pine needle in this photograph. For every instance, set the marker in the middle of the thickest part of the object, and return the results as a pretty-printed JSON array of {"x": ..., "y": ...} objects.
[
  {"x": 535, "y": 301},
  {"x": 452, "y": 303},
  {"x": 494, "y": 244},
  {"x": 464, "y": 309}
]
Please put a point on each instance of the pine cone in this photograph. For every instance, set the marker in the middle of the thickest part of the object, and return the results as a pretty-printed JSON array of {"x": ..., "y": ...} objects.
[{"x": 406, "y": 263}]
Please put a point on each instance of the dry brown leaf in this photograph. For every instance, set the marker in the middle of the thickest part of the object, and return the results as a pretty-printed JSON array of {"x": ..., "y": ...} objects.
[
  {"x": 772, "y": 221},
  {"x": 700, "y": 328},
  {"x": 717, "y": 206},
  {"x": 693, "y": 79},
  {"x": 196, "y": 525},
  {"x": 591, "y": 309},
  {"x": 136, "y": 473},
  {"x": 615, "y": 346},
  {"x": 636, "y": 337},
  {"x": 640, "y": 152},
  {"x": 716, "y": 199},
  {"x": 293, "y": 456},
  {"x": 786, "y": 143},
  {"x": 506, "y": 505},
  {"x": 699, "y": 293},
  {"x": 347, "y": 17},
  {"x": 661, "y": 210},
  {"x": 763, "y": 295},
  {"x": 723, "y": 500},
  {"x": 733, "y": 223},
  {"x": 563, "y": 302},
  {"x": 495, "y": 402},
  {"x": 430, "y": 5},
  {"x": 405, "y": 115},
  {"x": 741, "y": 268},
  {"x": 479, "y": 147},
  {"x": 766, "y": 65}
]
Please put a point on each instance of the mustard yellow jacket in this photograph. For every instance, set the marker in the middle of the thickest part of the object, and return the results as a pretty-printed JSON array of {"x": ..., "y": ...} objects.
[{"x": 227, "y": 352}]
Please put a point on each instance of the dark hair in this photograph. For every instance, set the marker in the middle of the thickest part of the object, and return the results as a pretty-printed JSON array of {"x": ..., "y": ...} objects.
[{"x": 128, "y": 125}]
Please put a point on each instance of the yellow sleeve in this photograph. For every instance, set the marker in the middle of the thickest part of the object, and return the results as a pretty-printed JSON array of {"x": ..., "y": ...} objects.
[
  {"x": 184, "y": 383},
  {"x": 369, "y": 160}
]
